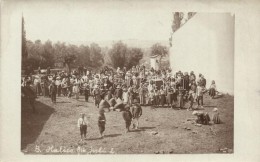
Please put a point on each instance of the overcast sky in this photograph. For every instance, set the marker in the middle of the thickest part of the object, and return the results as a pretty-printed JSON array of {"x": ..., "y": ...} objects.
[{"x": 96, "y": 21}]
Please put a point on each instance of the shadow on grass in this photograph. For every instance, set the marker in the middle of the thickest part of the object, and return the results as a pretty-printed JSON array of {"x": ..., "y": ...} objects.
[
  {"x": 32, "y": 124},
  {"x": 141, "y": 129},
  {"x": 218, "y": 96},
  {"x": 96, "y": 138},
  {"x": 63, "y": 102},
  {"x": 112, "y": 135}
]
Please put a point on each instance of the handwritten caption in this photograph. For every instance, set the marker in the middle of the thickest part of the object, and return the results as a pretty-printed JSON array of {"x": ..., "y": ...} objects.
[{"x": 69, "y": 150}]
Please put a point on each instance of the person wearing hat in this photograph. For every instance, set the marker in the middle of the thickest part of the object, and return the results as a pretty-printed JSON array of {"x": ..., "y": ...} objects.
[
  {"x": 83, "y": 124},
  {"x": 76, "y": 84},
  {"x": 156, "y": 97},
  {"x": 125, "y": 95},
  {"x": 216, "y": 118},
  {"x": 131, "y": 95},
  {"x": 162, "y": 96},
  {"x": 103, "y": 104},
  {"x": 212, "y": 89},
  {"x": 53, "y": 91},
  {"x": 186, "y": 80},
  {"x": 101, "y": 122},
  {"x": 141, "y": 92},
  {"x": 96, "y": 95},
  {"x": 192, "y": 77},
  {"x": 118, "y": 92},
  {"x": 30, "y": 94},
  {"x": 127, "y": 116},
  {"x": 137, "y": 113},
  {"x": 203, "y": 81},
  {"x": 200, "y": 96},
  {"x": 58, "y": 84},
  {"x": 202, "y": 118},
  {"x": 86, "y": 91}
]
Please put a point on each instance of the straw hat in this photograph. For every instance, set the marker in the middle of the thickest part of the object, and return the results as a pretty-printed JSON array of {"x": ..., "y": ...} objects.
[
  {"x": 195, "y": 112},
  {"x": 127, "y": 107},
  {"x": 215, "y": 109}
]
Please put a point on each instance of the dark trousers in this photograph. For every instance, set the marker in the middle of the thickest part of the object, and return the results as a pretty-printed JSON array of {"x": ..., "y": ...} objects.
[
  {"x": 101, "y": 128},
  {"x": 200, "y": 100},
  {"x": 86, "y": 95},
  {"x": 191, "y": 103},
  {"x": 127, "y": 124},
  {"x": 53, "y": 97},
  {"x": 59, "y": 90},
  {"x": 83, "y": 130}
]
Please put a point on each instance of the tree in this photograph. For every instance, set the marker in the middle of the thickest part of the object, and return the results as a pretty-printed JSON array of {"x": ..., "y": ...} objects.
[
  {"x": 83, "y": 56},
  {"x": 118, "y": 54},
  {"x": 48, "y": 54},
  {"x": 122, "y": 56},
  {"x": 96, "y": 57},
  {"x": 24, "y": 48},
  {"x": 159, "y": 50},
  {"x": 177, "y": 17},
  {"x": 69, "y": 56},
  {"x": 134, "y": 55}
]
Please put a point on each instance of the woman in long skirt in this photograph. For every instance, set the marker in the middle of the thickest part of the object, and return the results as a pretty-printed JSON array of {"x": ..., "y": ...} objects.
[
  {"x": 101, "y": 122},
  {"x": 174, "y": 96},
  {"x": 169, "y": 96},
  {"x": 162, "y": 96}
]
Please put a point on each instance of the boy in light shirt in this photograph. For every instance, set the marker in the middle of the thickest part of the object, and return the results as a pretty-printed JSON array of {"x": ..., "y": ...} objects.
[{"x": 82, "y": 124}]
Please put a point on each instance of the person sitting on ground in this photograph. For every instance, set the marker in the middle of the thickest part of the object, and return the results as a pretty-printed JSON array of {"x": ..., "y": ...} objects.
[
  {"x": 202, "y": 117},
  {"x": 82, "y": 124},
  {"x": 216, "y": 118},
  {"x": 127, "y": 116},
  {"x": 212, "y": 89}
]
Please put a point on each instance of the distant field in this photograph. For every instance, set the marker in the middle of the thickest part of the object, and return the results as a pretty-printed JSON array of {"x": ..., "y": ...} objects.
[{"x": 162, "y": 130}]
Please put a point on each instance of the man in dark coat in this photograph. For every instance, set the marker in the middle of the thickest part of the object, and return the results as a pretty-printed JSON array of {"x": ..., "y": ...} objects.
[
  {"x": 137, "y": 113},
  {"x": 127, "y": 117},
  {"x": 118, "y": 92},
  {"x": 53, "y": 91},
  {"x": 30, "y": 94}
]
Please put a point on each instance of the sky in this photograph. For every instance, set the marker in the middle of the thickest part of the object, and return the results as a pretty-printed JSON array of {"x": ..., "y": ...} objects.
[{"x": 96, "y": 21}]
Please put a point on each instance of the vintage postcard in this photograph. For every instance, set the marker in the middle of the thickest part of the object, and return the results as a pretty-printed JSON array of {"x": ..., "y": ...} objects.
[{"x": 129, "y": 78}]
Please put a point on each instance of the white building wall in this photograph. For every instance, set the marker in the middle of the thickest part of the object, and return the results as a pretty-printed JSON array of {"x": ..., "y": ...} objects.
[
  {"x": 205, "y": 44},
  {"x": 154, "y": 63}
]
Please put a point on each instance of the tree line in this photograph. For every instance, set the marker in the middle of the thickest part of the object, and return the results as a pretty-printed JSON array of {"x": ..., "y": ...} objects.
[{"x": 62, "y": 55}]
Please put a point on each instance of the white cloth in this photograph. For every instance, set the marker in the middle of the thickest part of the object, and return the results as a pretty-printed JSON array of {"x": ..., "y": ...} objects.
[{"x": 125, "y": 97}]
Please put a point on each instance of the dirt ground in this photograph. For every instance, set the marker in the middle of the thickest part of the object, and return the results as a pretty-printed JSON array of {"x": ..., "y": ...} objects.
[{"x": 53, "y": 130}]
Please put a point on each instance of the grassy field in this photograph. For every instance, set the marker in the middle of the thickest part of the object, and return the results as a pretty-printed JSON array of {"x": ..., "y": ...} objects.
[{"x": 53, "y": 130}]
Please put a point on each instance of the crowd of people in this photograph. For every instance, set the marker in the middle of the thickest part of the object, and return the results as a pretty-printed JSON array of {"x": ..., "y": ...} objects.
[{"x": 121, "y": 89}]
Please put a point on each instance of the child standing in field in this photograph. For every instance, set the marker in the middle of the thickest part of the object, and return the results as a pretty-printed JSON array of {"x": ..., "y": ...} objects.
[
  {"x": 101, "y": 122},
  {"x": 137, "y": 113},
  {"x": 127, "y": 117},
  {"x": 82, "y": 124}
]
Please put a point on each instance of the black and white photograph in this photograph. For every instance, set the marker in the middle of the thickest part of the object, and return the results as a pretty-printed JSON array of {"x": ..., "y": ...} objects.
[
  {"x": 126, "y": 78},
  {"x": 108, "y": 86}
]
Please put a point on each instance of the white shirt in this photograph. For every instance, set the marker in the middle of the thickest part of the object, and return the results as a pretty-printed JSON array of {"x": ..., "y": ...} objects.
[{"x": 82, "y": 121}]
